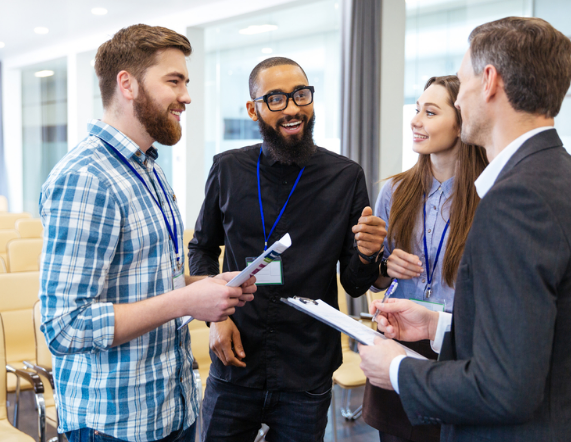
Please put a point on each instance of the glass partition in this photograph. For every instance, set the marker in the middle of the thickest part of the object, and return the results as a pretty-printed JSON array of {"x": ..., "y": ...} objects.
[
  {"x": 308, "y": 34},
  {"x": 44, "y": 125},
  {"x": 436, "y": 39}
]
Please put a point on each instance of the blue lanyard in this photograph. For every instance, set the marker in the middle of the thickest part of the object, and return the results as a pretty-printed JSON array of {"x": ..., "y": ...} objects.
[
  {"x": 430, "y": 274},
  {"x": 173, "y": 237},
  {"x": 261, "y": 207}
]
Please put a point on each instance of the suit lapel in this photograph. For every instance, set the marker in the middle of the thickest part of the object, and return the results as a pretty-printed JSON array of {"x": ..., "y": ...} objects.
[{"x": 543, "y": 140}]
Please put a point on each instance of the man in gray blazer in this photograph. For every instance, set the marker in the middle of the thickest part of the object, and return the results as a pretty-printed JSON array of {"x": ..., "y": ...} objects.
[{"x": 505, "y": 368}]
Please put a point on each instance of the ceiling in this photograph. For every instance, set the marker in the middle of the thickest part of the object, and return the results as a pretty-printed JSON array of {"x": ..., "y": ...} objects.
[{"x": 69, "y": 20}]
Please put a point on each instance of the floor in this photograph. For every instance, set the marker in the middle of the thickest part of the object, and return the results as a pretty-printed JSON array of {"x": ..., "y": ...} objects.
[{"x": 354, "y": 431}]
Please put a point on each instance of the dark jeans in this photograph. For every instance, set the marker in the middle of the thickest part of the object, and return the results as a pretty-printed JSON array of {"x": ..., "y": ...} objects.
[
  {"x": 233, "y": 413},
  {"x": 89, "y": 435}
]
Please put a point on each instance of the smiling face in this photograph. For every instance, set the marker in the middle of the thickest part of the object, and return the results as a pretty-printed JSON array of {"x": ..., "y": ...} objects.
[
  {"x": 162, "y": 96},
  {"x": 289, "y": 132},
  {"x": 434, "y": 127}
]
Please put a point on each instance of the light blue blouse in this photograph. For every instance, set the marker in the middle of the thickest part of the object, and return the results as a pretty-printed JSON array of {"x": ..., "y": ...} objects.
[{"x": 437, "y": 214}]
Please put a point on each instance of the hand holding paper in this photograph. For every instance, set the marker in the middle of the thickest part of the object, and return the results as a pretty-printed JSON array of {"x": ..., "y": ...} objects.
[{"x": 259, "y": 263}]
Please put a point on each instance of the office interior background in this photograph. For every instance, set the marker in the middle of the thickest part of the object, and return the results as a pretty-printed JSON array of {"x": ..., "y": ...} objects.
[{"x": 50, "y": 91}]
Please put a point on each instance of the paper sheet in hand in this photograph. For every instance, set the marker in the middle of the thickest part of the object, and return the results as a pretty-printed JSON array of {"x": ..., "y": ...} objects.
[
  {"x": 340, "y": 321},
  {"x": 258, "y": 264}
]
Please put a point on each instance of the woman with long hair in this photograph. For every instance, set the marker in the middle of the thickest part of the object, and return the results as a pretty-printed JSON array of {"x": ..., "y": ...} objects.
[{"x": 428, "y": 210}]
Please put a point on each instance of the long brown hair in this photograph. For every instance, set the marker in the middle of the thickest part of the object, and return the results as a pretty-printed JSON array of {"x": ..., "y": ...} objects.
[{"x": 410, "y": 186}]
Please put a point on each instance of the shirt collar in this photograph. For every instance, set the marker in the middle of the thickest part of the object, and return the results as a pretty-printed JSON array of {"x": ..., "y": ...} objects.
[
  {"x": 124, "y": 145},
  {"x": 446, "y": 187},
  {"x": 488, "y": 177}
]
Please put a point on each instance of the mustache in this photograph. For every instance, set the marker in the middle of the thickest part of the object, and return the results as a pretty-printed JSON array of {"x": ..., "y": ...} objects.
[{"x": 179, "y": 107}]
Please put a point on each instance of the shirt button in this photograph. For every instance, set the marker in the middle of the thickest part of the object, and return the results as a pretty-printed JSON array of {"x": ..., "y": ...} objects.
[
  {"x": 423, "y": 281},
  {"x": 138, "y": 153},
  {"x": 440, "y": 188},
  {"x": 285, "y": 182},
  {"x": 181, "y": 378},
  {"x": 429, "y": 230},
  {"x": 434, "y": 207}
]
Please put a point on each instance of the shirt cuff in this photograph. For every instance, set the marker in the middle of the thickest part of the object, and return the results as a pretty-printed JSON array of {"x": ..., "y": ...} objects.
[
  {"x": 394, "y": 372},
  {"x": 444, "y": 322},
  {"x": 103, "y": 322}
]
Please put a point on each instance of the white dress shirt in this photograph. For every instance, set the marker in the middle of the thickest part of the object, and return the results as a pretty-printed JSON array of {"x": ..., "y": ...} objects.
[{"x": 483, "y": 184}]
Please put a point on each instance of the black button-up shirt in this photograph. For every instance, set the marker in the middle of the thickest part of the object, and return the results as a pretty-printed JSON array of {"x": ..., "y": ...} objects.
[{"x": 285, "y": 348}]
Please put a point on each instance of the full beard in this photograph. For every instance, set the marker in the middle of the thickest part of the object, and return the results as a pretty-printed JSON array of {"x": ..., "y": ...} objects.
[
  {"x": 294, "y": 149},
  {"x": 156, "y": 121}
]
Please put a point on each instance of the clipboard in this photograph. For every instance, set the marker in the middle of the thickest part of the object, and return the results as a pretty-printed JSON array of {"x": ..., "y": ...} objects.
[{"x": 323, "y": 312}]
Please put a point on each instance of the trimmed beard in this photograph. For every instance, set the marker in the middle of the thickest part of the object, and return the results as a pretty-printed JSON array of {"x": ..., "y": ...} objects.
[
  {"x": 295, "y": 149},
  {"x": 155, "y": 121}
]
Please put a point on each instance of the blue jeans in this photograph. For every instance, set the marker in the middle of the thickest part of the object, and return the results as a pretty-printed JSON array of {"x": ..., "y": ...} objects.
[
  {"x": 90, "y": 435},
  {"x": 233, "y": 413}
]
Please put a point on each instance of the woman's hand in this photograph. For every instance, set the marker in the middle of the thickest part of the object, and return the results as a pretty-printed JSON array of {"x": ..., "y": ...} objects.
[{"x": 402, "y": 265}]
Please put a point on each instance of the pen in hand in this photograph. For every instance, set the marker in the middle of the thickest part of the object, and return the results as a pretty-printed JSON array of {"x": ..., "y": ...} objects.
[{"x": 388, "y": 294}]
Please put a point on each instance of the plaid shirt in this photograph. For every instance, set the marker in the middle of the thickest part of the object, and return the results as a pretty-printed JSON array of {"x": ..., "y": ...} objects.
[{"x": 105, "y": 243}]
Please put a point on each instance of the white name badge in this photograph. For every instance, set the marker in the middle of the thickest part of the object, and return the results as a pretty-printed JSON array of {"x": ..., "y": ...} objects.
[
  {"x": 272, "y": 274},
  {"x": 434, "y": 306},
  {"x": 178, "y": 281}
]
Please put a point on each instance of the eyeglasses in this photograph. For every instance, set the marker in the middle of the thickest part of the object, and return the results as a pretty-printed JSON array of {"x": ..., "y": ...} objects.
[{"x": 279, "y": 101}]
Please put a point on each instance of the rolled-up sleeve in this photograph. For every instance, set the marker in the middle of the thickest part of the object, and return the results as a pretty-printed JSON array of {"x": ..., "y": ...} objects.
[{"x": 82, "y": 224}]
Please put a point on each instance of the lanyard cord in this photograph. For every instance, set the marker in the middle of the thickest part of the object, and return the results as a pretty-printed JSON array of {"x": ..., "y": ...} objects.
[
  {"x": 266, "y": 238},
  {"x": 173, "y": 237},
  {"x": 430, "y": 274}
]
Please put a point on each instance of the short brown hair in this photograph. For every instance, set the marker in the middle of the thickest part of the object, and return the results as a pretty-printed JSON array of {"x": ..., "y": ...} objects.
[
  {"x": 133, "y": 49},
  {"x": 266, "y": 64},
  {"x": 532, "y": 57}
]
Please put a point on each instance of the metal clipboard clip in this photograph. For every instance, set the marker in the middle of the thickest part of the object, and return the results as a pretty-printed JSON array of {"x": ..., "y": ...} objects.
[{"x": 305, "y": 300}]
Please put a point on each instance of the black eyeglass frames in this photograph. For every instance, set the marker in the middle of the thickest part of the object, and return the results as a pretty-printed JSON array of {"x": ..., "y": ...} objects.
[{"x": 278, "y": 101}]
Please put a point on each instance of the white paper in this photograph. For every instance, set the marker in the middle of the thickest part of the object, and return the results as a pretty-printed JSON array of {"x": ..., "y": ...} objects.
[
  {"x": 340, "y": 321},
  {"x": 259, "y": 263}
]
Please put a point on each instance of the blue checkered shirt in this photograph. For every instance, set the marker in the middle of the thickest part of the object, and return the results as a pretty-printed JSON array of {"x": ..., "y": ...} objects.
[{"x": 105, "y": 243}]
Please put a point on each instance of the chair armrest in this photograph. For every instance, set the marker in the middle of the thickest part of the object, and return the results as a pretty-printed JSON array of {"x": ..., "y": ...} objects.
[
  {"x": 42, "y": 371},
  {"x": 31, "y": 377}
]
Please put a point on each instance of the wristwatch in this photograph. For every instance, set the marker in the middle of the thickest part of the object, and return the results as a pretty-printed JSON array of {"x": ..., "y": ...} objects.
[
  {"x": 384, "y": 271},
  {"x": 371, "y": 258}
]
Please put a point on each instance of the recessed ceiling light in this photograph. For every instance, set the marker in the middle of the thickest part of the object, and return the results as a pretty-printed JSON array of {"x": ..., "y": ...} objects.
[
  {"x": 267, "y": 50},
  {"x": 41, "y": 30},
  {"x": 44, "y": 73},
  {"x": 2, "y": 44},
  {"x": 257, "y": 29},
  {"x": 99, "y": 11}
]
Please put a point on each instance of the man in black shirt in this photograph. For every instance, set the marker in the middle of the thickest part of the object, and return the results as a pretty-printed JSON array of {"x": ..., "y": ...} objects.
[{"x": 271, "y": 363}]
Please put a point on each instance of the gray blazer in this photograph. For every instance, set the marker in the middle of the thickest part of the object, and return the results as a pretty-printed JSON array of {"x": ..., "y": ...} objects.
[{"x": 509, "y": 377}]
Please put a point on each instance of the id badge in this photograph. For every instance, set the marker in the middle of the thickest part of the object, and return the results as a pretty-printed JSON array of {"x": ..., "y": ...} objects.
[
  {"x": 434, "y": 306},
  {"x": 178, "y": 281},
  {"x": 272, "y": 274}
]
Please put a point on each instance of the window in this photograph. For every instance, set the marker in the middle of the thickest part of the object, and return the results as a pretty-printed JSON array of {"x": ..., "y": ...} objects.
[
  {"x": 44, "y": 125},
  {"x": 308, "y": 34},
  {"x": 436, "y": 39}
]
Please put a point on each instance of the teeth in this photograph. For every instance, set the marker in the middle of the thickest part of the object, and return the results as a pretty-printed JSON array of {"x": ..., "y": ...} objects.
[
  {"x": 291, "y": 124},
  {"x": 420, "y": 137},
  {"x": 175, "y": 112}
]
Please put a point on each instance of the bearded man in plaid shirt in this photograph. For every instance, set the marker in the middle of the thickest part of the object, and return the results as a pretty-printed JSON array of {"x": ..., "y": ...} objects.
[{"x": 112, "y": 288}]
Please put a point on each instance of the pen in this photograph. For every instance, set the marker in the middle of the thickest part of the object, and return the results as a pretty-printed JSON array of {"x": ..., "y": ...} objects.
[{"x": 388, "y": 294}]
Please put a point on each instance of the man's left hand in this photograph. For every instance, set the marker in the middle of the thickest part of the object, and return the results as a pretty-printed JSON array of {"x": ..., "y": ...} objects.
[
  {"x": 376, "y": 361},
  {"x": 370, "y": 233}
]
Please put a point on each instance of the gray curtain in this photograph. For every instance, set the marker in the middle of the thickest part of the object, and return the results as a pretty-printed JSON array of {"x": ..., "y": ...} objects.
[
  {"x": 360, "y": 95},
  {"x": 360, "y": 86},
  {"x": 3, "y": 182}
]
